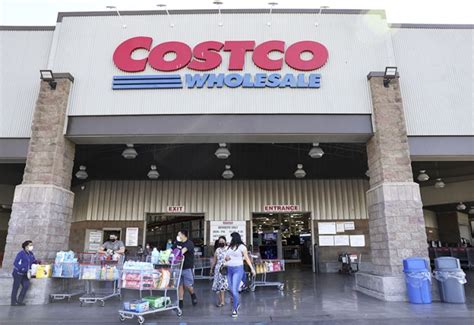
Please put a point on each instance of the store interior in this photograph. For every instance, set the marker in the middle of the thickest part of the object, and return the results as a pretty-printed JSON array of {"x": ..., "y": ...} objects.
[{"x": 283, "y": 236}]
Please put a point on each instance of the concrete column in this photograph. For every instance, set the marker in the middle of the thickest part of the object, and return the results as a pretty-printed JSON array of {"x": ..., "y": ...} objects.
[
  {"x": 396, "y": 224},
  {"x": 42, "y": 204}
]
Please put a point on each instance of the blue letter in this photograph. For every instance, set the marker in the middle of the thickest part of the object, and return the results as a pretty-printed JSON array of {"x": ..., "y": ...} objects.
[
  {"x": 314, "y": 80},
  {"x": 215, "y": 80},
  {"x": 260, "y": 80},
  {"x": 273, "y": 80},
  {"x": 301, "y": 82},
  {"x": 247, "y": 81},
  {"x": 233, "y": 80},
  {"x": 197, "y": 80},
  {"x": 288, "y": 80}
]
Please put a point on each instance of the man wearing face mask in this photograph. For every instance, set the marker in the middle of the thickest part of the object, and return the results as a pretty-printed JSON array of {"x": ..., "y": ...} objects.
[
  {"x": 21, "y": 273},
  {"x": 187, "y": 276},
  {"x": 112, "y": 246}
]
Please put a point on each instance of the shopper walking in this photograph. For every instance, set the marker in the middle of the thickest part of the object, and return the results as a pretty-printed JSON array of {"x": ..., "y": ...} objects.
[
  {"x": 22, "y": 273},
  {"x": 219, "y": 286},
  {"x": 187, "y": 275},
  {"x": 236, "y": 254}
]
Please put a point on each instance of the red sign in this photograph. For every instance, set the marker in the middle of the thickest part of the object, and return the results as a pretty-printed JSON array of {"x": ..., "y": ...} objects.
[
  {"x": 206, "y": 56},
  {"x": 281, "y": 208},
  {"x": 175, "y": 209}
]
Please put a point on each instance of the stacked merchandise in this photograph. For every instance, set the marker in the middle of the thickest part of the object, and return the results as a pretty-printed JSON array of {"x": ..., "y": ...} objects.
[
  {"x": 269, "y": 266},
  {"x": 99, "y": 272},
  {"x": 138, "y": 306},
  {"x": 158, "y": 302},
  {"x": 65, "y": 265},
  {"x": 143, "y": 276}
]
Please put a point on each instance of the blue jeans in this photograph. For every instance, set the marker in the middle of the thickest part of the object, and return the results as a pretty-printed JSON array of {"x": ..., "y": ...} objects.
[
  {"x": 234, "y": 276},
  {"x": 19, "y": 279}
]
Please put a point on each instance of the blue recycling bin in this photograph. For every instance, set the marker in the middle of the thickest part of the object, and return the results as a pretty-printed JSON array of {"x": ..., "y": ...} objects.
[{"x": 418, "y": 280}]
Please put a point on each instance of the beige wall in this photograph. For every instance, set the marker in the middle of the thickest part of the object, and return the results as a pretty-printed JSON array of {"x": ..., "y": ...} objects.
[{"x": 219, "y": 200}]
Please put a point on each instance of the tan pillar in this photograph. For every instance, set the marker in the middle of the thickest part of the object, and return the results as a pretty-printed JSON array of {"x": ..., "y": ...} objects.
[
  {"x": 42, "y": 204},
  {"x": 396, "y": 224}
]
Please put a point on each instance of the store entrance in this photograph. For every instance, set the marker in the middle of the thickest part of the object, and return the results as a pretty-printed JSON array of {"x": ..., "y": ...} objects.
[
  {"x": 161, "y": 227},
  {"x": 283, "y": 236}
]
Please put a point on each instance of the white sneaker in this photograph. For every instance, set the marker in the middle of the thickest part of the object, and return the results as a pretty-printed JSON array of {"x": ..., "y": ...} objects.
[{"x": 234, "y": 314}]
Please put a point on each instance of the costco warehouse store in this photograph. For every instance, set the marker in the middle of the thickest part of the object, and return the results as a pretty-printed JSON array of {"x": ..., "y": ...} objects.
[{"x": 311, "y": 134}]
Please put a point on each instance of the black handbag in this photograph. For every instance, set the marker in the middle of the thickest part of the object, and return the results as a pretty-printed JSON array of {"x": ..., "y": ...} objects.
[{"x": 223, "y": 269}]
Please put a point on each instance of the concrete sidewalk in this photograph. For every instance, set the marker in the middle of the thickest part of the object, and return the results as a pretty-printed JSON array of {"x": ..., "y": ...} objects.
[{"x": 307, "y": 299}]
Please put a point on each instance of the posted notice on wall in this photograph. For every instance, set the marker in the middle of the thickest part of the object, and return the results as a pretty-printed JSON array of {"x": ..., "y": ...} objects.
[
  {"x": 349, "y": 225},
  {"x": 131, "y": 237},
  {"x": 225, "y": 228},
  {"x": 326, "y": 240},
  {"x": 95, "y": 240},
  {"x": 327, "y": 228},
  {"x": 341, "y": 240},
  {"x": 340, "y": 227},
  {"x": 357, "y": 240}
]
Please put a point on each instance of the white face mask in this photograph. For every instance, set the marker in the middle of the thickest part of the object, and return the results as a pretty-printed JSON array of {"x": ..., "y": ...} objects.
[
  {"x": 30, "y": 248},
  {"x": 178, "y": 238}
]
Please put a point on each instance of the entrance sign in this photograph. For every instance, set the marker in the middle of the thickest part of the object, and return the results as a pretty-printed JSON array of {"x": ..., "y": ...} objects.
[
  {"x": 206, "y": 56},
  {"x": 225, "y": 228},
  {"x": 175, "y": 209},
  {"x": 281, "y": 208},
  {"x": 131, "y": 237}
]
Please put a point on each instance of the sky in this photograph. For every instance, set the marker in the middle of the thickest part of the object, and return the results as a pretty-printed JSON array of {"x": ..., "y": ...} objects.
[{"x": 44, "y": 12}]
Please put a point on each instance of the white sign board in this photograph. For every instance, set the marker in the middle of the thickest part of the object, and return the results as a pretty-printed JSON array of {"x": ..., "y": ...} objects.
[
  {"x": 326, "y": 240},
  {"x": 225, "y": 228},
  {"x": 341, "y": 240},
  {"x": 327, "y": 228},
  {"x": 357, "y": 240},
  {"x": 175, "y": 209},
  {"x": 281, "y": 208},
  {"x": 349, "y": 225},
  {"x": 340, "y": 227},
  {"x": 131, "y": 237}
]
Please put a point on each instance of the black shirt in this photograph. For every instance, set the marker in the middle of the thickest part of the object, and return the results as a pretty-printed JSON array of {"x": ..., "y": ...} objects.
[{"x": 189, "y": 255}]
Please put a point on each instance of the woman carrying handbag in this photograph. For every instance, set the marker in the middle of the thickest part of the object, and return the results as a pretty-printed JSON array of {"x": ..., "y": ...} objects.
[
  {"x": 236, "y": 254},
  {"x": 218, "y": 269}
]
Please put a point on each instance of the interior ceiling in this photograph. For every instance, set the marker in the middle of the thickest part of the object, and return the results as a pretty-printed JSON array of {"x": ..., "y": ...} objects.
[
  {"x": 197, "y": 161},
  {"x": 450, "y": 207}
]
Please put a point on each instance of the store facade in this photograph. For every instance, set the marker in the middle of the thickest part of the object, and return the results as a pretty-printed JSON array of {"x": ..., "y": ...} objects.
[{"x": 234, "y": 79}]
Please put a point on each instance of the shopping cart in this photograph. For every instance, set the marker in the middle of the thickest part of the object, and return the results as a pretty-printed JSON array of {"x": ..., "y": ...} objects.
[
  {"x": 262, "y": 269},
  {"x": 202, "y": 268},
  {"x": 67, "y": 272},
  {"x": 101, "y": 276},
  {"x": 164, "y": 279}
]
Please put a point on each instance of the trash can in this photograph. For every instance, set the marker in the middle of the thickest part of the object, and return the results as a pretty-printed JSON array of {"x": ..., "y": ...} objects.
[
  {"x": 418, "y": 280},
  {"x": 451, "y": 280}
]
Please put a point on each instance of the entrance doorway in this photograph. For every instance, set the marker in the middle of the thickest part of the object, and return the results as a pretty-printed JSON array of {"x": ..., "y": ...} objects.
[
  {"x": 283, "y": 236},
  {"x": 161, "y": 227}
]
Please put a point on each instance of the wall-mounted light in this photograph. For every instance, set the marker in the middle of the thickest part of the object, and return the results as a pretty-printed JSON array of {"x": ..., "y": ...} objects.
[
  {"x": 118, "y": 14},
  {"x": 300, "y": 173},
  {"x": 162, "y": 5},
  {"x": 129, "y": 152},
  {"x": 48, "y": 76},
  {"x": 220, "y": 23},
  {"x": 271, "y": 4},
  {"x": 389, "y": 75},
  {"x": 153, "y": 173},
  {"x": 228, "y": 174},
  {"x": 82, "y": 174},
  {"x": 423, "y": 176}
]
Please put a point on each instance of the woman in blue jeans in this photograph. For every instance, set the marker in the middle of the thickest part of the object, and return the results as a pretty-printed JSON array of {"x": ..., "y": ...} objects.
[
  {"x": 21, "y": 268},
  {"x": 235, "y": 255}
]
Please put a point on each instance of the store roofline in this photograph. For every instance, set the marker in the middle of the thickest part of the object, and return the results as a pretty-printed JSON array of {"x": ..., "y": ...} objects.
[
  {"x": 62, "y": 15},
  {"x": 432, "y": 26},
  {"x": 27, "y": 28}
]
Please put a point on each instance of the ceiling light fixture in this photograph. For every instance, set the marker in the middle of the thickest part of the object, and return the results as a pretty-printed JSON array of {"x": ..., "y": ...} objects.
[
  {"x": 222, "y": 152},
  {"x": 461, "y": 206},
  {"x": 118, "y": 14},
  {"x": 300, "y": 173},
  {"x": 271, "y": 4},
  {"x": 423, "y": 176},
  {"x": 153, "y": 173},
  {"x": 319, "y": 14},
  {"x": 82, "y": 174},
  {"x": 162, "y": 5},
  {"x": 228, "y": 174},
  {"x": 316, "y": 152},
  {"x": 439, "y": 183},
  {"x": 130, "y": 152},
  {"x": 220, "y": 23}
]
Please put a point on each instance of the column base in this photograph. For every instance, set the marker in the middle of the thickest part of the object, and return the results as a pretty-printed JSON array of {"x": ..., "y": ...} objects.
[{"x": 387, "y": 288}]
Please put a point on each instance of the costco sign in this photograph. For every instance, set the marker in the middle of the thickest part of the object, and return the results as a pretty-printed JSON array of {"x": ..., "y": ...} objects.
[{"x": 206, "y": 56}]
